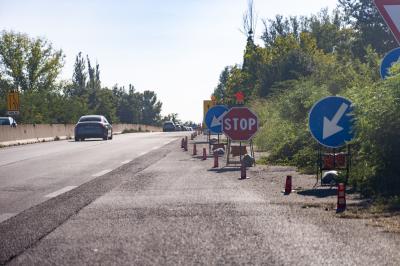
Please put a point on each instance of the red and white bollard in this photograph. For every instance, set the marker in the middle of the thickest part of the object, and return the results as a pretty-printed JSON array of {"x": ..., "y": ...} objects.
[
  {"x": 194, "y": 149},
  {"x": 216, "y": 160},
  {"x": 243, "y": 171},
  {"x": 204, "y": 154},
  {"x": 288, "y": 185},
  {"x": 341, "y": 200}
]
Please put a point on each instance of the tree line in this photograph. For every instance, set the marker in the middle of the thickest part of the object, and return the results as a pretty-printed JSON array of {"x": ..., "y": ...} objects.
[
  {"x": 32, "y": 66},
  {"x": 303, "y": 59}
]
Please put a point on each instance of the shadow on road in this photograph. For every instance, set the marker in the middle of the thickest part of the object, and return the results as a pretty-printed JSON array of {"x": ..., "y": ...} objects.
[
  {"x": 87, "y": 140},
  {"x": 322, "y": 192},
  {"x": 319, "y": 192},
  {"x": 201, "y": 157},
  {"x": 224, "y": 169}
]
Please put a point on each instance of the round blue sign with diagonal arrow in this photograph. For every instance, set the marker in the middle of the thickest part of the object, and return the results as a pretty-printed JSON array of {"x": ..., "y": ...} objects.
[
  {"x": 387, "y": 62},
  {"x": 331, "y": 121},
  {"x": 214, "y": 118}
]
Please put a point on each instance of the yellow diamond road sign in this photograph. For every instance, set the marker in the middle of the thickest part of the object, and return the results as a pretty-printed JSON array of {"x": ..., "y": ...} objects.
[{"x": 13, "y": 103}]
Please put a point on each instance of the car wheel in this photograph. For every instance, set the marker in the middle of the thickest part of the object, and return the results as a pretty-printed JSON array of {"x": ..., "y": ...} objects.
[
  {"x": 111, "y": 136},
  {"x": 105, "y": 138},
  {"x": 82, "y": 139},
  {"x": 76, "y": 139}
]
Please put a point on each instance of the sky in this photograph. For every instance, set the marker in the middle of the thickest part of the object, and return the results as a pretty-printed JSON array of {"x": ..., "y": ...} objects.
[{"x": 176, "y": 48}]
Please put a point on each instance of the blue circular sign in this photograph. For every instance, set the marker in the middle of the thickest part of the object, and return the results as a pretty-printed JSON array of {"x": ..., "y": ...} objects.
[
  {"x": 331, "y": 121},
  {"x": 214, "y": 118},
  {"x": 387, "y": 62}
]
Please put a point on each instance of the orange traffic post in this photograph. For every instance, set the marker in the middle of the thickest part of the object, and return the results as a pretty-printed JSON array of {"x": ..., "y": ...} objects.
[
  {"x": 288, "y": 185},
  {"x": 341, "y": 201},
  {"x": 216, "y": 160},
  {"x": 194, "y": 149},
  {"x": 204, "y": 154}
]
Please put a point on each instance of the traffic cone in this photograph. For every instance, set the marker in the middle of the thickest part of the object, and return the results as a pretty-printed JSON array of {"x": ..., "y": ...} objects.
[
  {"x": 243, "y": 171},
  {"x": 194, "y": 149},
  {"x": 216, "y": 160},
  {"x": 341, "y": 201},
  {"x": 204, "y": 154},
  {"x": 288, "y": 185}
]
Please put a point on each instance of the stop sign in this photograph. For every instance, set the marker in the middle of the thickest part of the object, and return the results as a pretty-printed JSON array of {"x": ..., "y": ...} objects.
[{"x": 240, "y": 124}]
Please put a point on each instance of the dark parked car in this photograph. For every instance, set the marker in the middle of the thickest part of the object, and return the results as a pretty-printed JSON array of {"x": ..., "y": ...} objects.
[
  {"x": 7, "y": 121},
  {"x": 93, "y": 126},
  {"x": 168, "y": 126},
  {"x": 178, "y": 127}
]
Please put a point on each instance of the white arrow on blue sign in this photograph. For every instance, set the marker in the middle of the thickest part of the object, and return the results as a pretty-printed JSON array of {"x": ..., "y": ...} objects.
[
  {"x": 331, "y": 121},
  {"x": 214, "y": 118},
  {"x": 387, "y": 62}
]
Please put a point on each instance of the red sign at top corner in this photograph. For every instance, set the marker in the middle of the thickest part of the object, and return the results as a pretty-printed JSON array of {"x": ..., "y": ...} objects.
[{"x": 390, "y": 11}]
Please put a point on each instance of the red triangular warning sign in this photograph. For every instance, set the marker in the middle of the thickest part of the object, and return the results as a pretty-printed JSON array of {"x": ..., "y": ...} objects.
[{"x": 390, "y": 11}]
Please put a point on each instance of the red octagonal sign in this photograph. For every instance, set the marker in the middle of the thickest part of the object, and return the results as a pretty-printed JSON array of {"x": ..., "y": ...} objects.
[{"x": 240, "y": 124}]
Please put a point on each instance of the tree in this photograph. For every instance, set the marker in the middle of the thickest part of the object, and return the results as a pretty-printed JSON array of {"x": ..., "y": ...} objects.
[
  {"x": 220, "y": 90},
  {"x": 79, "y": 77},
  {"x": 129, "y": 105},
  {"x": 151, "y": 108},
  {"x": 370, "y": 27},
  {"x": 28, "y": 63}
]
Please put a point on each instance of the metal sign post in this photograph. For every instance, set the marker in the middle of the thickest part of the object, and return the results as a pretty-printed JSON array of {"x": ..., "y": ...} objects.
[
  {"x": 331, "y": 125},
  {"x": 213, "y": 120},
  {"x": 239, "y": 124}
]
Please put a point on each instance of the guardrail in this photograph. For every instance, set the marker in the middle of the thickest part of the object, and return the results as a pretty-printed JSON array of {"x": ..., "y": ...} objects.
[{"x": 40, "y": 131}]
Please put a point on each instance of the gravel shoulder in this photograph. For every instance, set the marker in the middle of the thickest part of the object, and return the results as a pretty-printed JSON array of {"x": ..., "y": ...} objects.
[{"x": 180, "y": 211}]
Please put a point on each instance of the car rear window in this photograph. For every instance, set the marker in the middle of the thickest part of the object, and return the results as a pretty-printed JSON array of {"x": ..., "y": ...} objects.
[
  {"x": 90, "y": 118},
  {"x": 4, "y": 121}
]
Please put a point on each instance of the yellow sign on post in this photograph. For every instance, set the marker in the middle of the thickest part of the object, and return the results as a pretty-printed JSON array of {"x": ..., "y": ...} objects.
[
  {"x": 13, "y": 103},
  {"x": 207, "y": 104}
]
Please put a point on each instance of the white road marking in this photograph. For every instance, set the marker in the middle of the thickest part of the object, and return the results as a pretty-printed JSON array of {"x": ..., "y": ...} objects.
[
  {"x": 60, "y": 191},
  {"x": 155, "y": 148},
  {"x": 142, "y": 153},
  {"x": 102, "y": 173},
  {"x": 169, "y": 141},
  {"x": 125, "y": 162},
  {"x": 5, "y": 216}
]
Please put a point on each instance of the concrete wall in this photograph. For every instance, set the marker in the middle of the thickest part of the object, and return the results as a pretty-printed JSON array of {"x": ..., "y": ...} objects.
[{"x": 22, "y": 132}]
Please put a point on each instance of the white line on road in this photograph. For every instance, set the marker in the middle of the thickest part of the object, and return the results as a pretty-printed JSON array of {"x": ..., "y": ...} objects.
[
  {"x": 142, "y": 153},
  {"x": 5, "y": 216},
  {"x": 102, "y": 173},
  {"x": 169, "y": 141},
  {"x": 125, "y": 162},
  {"x": 60, "y": 191},
  {"x": 155, "y": 148}
]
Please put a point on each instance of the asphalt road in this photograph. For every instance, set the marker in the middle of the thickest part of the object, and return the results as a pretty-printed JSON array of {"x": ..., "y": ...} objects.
[
  {"x": 169, "y": 208},
  {"x": 31, "y": 174}
]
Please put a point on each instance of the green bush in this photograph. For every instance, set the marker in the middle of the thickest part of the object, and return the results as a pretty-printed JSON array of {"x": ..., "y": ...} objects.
[
  {"x": 377, "y": 109},
  {"x": 284, "y": 132}
]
